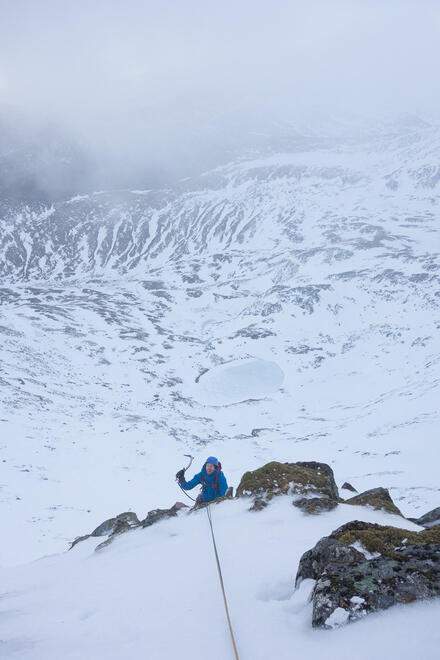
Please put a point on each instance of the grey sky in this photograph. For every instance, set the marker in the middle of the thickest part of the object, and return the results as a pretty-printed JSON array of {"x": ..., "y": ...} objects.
[{"x": 126, "y": 77}]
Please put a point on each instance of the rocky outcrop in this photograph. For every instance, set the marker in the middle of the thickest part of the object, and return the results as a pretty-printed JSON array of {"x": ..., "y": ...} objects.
[
  {"x": 327, "y": 551},
  {"x": 159, "y": 514},
  {"x": 308, "y": 482},
  {"x": 122, "y": 521},
  {"x": 347, "y": 486},
  {"x": 202, "y": 505},
  {"x": 127, "y": 521},
  {"x": 377, "y": 498},
  {"x": 314, "y": 505},
  {"x": 429, "y": 519},
  {"x": 363, "y": 567}
]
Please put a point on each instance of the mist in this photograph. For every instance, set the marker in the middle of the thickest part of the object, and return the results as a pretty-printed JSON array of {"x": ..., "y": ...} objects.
[{"x": 148, "y": 92}]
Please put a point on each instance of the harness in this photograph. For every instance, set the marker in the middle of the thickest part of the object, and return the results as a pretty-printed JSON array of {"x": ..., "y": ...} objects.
[{"x": 215, "y": 484}]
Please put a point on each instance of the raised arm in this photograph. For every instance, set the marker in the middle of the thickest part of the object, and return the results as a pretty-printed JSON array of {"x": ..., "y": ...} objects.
[{"x": 187, "y": 485}]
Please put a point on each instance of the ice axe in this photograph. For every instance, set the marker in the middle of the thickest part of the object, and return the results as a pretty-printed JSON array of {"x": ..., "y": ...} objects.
[
  {"x": 181, "y": 474},
  {"x": 183, "y": 470}
]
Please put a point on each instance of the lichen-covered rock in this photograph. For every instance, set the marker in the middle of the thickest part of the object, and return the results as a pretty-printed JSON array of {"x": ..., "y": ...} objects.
[
  {"x": 327, "y": 551},
  {"x": 378, "y": 498},
  {"x": 363, "y": 567},
  {"x": 302, "y": 480},
  {"x": 314, "y": 505}
]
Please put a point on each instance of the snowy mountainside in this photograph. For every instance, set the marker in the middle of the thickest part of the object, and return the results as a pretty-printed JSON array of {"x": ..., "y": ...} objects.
[
  {"x": 154, "y": 593},
  {"x": 133, "y": 231},
  {"x": 117, "y": 307}
]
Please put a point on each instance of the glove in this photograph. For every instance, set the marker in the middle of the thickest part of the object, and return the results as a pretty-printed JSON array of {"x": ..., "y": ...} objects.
[{"x": 180, "y": 476}]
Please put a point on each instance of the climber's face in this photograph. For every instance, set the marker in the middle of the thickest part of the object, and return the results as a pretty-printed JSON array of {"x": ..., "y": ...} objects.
[{"x": 210, "y": 468}]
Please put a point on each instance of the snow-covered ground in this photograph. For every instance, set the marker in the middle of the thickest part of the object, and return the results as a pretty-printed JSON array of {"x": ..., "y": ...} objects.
[
  {"x": 283, "y": 308},
  {"x": 154, "y": 593}
]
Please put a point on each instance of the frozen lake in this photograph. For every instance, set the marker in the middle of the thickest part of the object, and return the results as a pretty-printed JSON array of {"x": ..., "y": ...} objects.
[{"x": 239, "y": 380}]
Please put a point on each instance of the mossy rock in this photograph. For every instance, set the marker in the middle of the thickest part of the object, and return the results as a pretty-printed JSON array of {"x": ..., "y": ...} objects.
[
  {"x": 383, "y": 538},
  {"x": 429, "y": 519},
  {"x": 404, "y": 566},
  {"x": 302, "y": 478},
  {"x": 378, "y": 498},
  {"x": 315, "y": 505}
]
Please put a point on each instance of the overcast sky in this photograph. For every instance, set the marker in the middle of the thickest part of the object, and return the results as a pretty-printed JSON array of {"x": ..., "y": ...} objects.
[{"x": 131, "y": 76}]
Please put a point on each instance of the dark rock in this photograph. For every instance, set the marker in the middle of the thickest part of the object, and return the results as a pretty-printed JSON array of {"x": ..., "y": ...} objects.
[
  {"x": 258, "y": 505},
  {"x": 327, "y": 551},
  {"x": 120, "y": 523},
  {"x": 159, "y": 514},
  {"x": 227, "y": 496},
  {"x": 127, "y": 521},
  {"x": 429, "y": 519},
  {"x": 306, "y": 479},
  {"x": 110, "y": 526},
  {"x": 253, "y": 332},
  {"x": 351, "y": 582},
  {"x": 378, "y": 498},
  {"x": 330, "y": 488},
  {"x": 78, "y": 540},
  {"x": 347, "y": 486},
  {"x": 314, "y": 505}
]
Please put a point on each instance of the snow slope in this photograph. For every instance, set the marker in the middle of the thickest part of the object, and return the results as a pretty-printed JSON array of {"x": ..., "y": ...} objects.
[
  {"x": 121, "y": 316},
  {"x": 154, "y": 593},
  {"x": 323, "y": 262}
]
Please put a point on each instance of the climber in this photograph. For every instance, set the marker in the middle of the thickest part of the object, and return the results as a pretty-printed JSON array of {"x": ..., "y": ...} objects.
[{"x": 211, "y": 478}]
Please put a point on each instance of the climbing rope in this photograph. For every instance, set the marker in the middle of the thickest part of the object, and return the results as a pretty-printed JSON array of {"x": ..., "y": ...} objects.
[
  {"x": 208, "y": 511},
  {"x": 185, "y": 493}
]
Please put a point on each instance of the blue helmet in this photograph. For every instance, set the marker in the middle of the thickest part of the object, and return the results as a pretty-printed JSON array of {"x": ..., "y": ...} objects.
[{"x": 213, "y": 460}]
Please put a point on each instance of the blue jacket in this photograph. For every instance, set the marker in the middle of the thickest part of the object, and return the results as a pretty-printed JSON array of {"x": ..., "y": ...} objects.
[{"x": 209, "y": 492}]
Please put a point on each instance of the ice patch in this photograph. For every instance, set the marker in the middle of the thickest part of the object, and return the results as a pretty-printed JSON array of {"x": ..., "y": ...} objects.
[{"x": 239, "y": 380}]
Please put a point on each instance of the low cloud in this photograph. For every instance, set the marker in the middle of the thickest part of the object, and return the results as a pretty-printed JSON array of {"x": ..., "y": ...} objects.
[{"x": 157, "y": 90}]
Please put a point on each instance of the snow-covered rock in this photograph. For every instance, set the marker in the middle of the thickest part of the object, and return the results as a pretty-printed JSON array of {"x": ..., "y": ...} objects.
[
  {"x": 363, "y": 567},
  {"x": 309, "y": 483},
  {"x": 428, "y": 519},
  {"x": 378, "y": 498}
]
